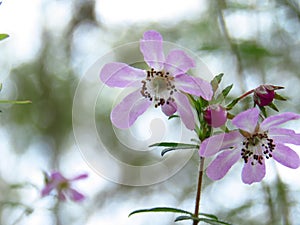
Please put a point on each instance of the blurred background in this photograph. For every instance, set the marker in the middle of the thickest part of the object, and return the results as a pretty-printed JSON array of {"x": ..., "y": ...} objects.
[{"x": 52, "y": 45}]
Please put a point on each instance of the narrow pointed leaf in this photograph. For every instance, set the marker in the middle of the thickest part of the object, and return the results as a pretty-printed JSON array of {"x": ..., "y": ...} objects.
[
  {"x": 214, "y": 222},
  {"x": 206, "y": 220},
  {"x": 273, "y": 106},
  {"x": 166, "y": 150},
  {"x": 3, "y": 36},
  {"x": 209, "y": 216},
  {"x": 223, "y": 94},
  {"x": 263, "y": 111},
  {"x": 232, "y": 104},
  {"x": 279, "y": 97},
  {"x": 15, "y": 102},
  {"x": 160, "y": 209},
  {"x": 173, "y": 116},
  {"x": 216, "y": 81},
  {"x": 181, "y": 218},
  {"x": 173, "y": 145}
]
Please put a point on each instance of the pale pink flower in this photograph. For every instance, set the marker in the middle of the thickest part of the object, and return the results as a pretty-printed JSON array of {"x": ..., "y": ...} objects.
[
  {"x": 164, "y": 83},
  {"x": 63, "y": 186},
  {"x": 254, "y": 143}
]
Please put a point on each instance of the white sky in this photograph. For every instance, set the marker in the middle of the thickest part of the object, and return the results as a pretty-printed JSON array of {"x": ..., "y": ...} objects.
[{"x": 119, "y": 11}]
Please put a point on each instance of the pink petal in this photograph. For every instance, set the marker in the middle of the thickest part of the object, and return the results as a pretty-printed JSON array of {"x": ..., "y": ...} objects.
[
  {"x": 47, "y": 189},
  {"x": 247, "y": 120},
  {"x": 194, "y": 85},
  {"x": 276, "y": 120},
  {"x": 253, "y": 173},
  {"x": 221, "y": 165},
  {"x": 79, "y": 177},
  {"x": 129, "y": 109},
  {"x": 282, "y": 135},
  {"x": 151, "y": 47},
  {"x": 75, "y": 195},
  {"x": 121, "y": 75},
  {"x": 178, "y": 62},
  {"x": 169, "y": 109},
  {"x": 57, "y": 177},
  {"x": 286, "y": 156},
  {"x": 218, "y": 142},
  {"x": 184, "y": 110}
]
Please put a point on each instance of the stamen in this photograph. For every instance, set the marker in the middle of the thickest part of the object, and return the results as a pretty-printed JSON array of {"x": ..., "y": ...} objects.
[
  {"x": 158, "y": 87},
  {"x": 258, "y": 146}
]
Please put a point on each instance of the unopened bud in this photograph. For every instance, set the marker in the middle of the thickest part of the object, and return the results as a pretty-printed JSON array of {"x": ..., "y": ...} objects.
[
  {"x": 264, "y": 94},
  {"x": 215, "y": 115}
]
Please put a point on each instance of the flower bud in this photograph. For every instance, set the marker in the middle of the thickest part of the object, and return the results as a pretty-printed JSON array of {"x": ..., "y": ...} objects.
[
  {"x": 264, "y": 94},
  {"x": 215, "y": 115}
]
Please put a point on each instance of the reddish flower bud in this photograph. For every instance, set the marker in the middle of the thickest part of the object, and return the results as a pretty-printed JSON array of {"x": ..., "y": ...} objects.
[
  {"x": 215, "y": 115},
  {"x": 264, "y": 94}
]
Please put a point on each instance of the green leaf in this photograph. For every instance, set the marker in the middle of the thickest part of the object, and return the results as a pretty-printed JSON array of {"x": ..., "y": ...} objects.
[
  {"x": 279, "y": 97},
  {"x": 15, "y": 102},
  {"x": 3, "y": 36},
  {"x": 173, "y": 116},
  {"x": 166, "y": 150},
  {"x": 181, "y": 218},
  {"x": 263, "y": 111},
  {"x": 212, "y": 219},
  {"x": 273, "y": 106},
  {"x": 209, "y": 216},
  {"x": 213, "y": 222},
  {"x": 216, "y": 81},
  {"x": 173, "y": 145},
  {"x": 232, "y": 103},
  {"x": 209, "y": 221},
  {"x": 161, "y": 209},
  {"x": 223, "y": 94}
]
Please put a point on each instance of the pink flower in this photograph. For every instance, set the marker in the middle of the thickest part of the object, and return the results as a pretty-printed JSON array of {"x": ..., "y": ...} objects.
[
  {"x": 254, "y": 143},
  {"x": 163, "y": 84},
  {"x": 63, "y": 186},
  {"x": 215, "y": 115}
]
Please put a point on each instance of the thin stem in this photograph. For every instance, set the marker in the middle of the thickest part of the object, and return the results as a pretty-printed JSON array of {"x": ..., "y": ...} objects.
[{"x": 198, "y": 195}]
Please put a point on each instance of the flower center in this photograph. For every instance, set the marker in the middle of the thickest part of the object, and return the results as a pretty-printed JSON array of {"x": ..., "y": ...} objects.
[
  {"x": 158, "y": 87},
  {"x": 257, "y": 147},
  {"x": 63, "y": 185}
]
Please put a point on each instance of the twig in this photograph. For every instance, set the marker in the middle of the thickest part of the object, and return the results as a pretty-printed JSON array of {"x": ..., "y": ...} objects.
[{"x": 199, "y": 186}]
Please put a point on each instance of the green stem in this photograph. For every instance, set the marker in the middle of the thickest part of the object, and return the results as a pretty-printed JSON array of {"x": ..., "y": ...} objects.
[{"x": 198, "y": 195}]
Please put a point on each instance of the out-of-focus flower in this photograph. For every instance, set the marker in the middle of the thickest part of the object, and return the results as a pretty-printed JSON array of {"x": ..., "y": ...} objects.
[
  {"x": 265, "y": 94},
  {"x": 164, "y": 83},
  {"x": 254, "y": 143},
  {"x": 63, "y": 186},
  {"x": 215, "y": 115}
]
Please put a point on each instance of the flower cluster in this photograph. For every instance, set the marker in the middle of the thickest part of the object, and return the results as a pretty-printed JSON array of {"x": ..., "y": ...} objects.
[{"x": 255, "y": 137}]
